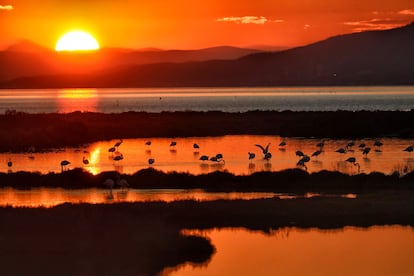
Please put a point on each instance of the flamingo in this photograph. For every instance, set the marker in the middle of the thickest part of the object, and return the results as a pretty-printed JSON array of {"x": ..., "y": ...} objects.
[
  {"x": 215, "y": 159},
  {"x": 219, "y": 156},
  {"x": 350, "y": 145},
  {"x": 251, "y": 156},
  {"x": 267, "y": 156},
  {"x": 409, "y": 150},
  {"x": 9, "y": 163},
  {"x": 316, "y": 153},
  {"x": 64, "y": 163},
  {"x": 109, "y": 183},
  {"x": 264, "y": 149},
  {"x": 151, "y": 161},
  {"x": 173, "y": 144},
  {"x": 112, "y": 150},
  {"x": 299, "y": 153},
  {"x": 320, "y": 145},
  {"x": 362, "y": 145},
  {"x": 378, "y": 144},
  {"x": 282, "y": 144},
  {"x": 366, "y": 151},
  {"x": 117, "y": 144},
  {"x": 122, "y": 183},
  {"x": 118, "y": 157},
  {"x": 148, "y": 143},
  {"x": 352, "y": 160},
  {"x": 203, "y": 158},
  {"x": 196, "y": 147},
  {"x": 85, "y": 161},
  {"x": 301, "y": 163}
]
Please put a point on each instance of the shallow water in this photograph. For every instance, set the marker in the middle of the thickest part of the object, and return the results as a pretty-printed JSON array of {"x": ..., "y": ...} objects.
[
  {"x": 49, "y": 197},
  {"x": 205, "y": 99},
  {"x": 234, "y": 148},
  {"x": 379, "y": 250}
]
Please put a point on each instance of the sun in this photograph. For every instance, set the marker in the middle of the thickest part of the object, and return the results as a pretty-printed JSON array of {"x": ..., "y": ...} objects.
[{"x": 77, "y": 41}]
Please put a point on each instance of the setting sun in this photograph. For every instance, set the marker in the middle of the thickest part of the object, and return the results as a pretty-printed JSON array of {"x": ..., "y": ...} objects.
[{"x": 75, "y": 41}]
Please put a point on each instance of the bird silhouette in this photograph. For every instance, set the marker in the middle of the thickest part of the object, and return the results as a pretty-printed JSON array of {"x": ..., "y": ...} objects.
[
  {"x": 268, "y": 156},
  {"x": 409, "y": 150},
  {"x": 352, "y": 160},
  {"x": 85, "y": 161},
  {"x": 251, "y": 156},
  {"x": 350, "y": 145},
  {"x": 9, "y": 163},
  {"x": 264, "y": 149},
  {"x": 378, "y": 144},
  {"x": 203, "y": 158},
  {"x": 282, "y": 144},
  {"x": 301, "y": 163},
  {"x": 109, "y": 183},
  {"x": 316, "y": 153},
  {"x": 196, "y": 147},
  {"x": 63, "y": 164},
  {"x": 173, "y": 144},
  {"x": 112, "y": 150},
  {"x": 320, "y": 145},
  {"x": 151, "y": 161},
  {"x": 148, "y": 143},
  {"x": 118, "y": 157},
  {"x": 299, "y": 153},
  {"x": 365, "y": 151},
  {"x": 117, "y": 144}
]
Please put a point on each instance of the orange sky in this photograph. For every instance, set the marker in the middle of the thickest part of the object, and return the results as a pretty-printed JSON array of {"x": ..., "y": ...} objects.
[{"x": 189, "y": 24}]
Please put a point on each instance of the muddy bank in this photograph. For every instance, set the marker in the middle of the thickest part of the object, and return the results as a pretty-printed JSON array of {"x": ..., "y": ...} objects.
[
  {"x": 144, "y": 238},
  {"x": 43, "y": 131},
  {"x": 288, "y": 181}
]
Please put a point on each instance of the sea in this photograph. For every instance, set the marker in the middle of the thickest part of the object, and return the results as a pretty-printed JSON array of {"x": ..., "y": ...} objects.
[{"x": 240, "y": 99}]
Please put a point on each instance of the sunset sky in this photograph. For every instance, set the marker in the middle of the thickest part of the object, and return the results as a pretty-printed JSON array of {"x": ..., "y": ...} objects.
[{"x": 189, "y": 24}]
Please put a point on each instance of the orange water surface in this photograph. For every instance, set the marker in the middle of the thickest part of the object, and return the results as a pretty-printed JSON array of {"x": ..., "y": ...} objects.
[
  {"x": 379, "y": 250},
  {"x": 234, "y": 148}
]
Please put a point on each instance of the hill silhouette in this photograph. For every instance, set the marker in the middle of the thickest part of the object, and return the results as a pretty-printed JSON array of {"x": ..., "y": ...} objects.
[{"x": 366, "y": 58}]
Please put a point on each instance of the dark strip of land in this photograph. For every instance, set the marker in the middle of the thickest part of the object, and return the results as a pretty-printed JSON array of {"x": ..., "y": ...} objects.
[
  {"x": 19, "y": 131},
  {"x": 144, "y": 238}
]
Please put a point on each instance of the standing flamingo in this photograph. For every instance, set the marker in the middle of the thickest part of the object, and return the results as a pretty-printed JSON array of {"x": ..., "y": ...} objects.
[
  {"x": 63, "y": 164},
  {"x": 109, "y": 183},
  {"x": 148, "y": 143},
  {"x": 151, "y": 161},
  {"x": 117, "y": 144},
  {"x": 196, "y": 147},
  {"x": 409, "y": 150},
  {"x": 264, "y": 149},
  {"x": 251, "y": 156},
  {"x": 203, "y": 158},
  {"x": 9, "y": 163},
  {"x": 365, "y": 151},
  {"x": 352, "y": 160},
  {"x": 85, "y": 161},
  {"x": 378, "y": 144}
]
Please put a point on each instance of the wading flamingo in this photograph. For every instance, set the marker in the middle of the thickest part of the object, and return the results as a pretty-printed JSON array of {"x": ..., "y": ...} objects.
[
  {"x": 85, "y": 161},
  {"x": 352, "y": 160},
  {"x": 63, "y": 164}
]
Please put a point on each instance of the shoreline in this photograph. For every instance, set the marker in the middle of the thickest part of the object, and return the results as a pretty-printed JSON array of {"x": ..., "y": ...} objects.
[{"x": 20, "y": 131}]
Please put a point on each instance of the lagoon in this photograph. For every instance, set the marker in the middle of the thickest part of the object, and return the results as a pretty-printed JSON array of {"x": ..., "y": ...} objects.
[{"x": 117, "y": 100}]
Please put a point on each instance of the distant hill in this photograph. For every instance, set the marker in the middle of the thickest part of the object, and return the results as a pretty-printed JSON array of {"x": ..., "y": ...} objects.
[{"x": 366, "y": 58}]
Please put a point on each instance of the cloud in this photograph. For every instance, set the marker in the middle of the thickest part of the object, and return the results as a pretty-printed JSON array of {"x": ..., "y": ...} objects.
[
  {"x": 250, "y": 19},
  {"x": 6, "y": 7},
  {"x": 375, "y": 24},
  {"x": 406, "y": 12}
]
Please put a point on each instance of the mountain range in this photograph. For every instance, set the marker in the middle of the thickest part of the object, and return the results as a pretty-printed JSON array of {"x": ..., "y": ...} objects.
[{"x": 365, "y": 58}]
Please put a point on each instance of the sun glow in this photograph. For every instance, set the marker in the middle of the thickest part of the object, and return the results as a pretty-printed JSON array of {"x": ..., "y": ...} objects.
[{"x": 76, "y": 41}]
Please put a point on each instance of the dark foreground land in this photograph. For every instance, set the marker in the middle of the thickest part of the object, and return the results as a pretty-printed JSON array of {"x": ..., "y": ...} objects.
[
  {"x": 19, "y": 131},
  {"x": 145, "y": 238}
]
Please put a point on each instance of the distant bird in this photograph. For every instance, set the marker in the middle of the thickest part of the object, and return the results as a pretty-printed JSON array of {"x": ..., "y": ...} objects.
[
  {"x": 151, "y": 161},
  {"x": 365, "y": 151},
  {"x": 122, "y": 183},
  {"x": 352, "y": 160},
  {"x": 316, "y": 153},
  {"x": 215, "y": 159},
  {"x": 203, "y": 158},
  {"x": 63, "y": 164},
  {"x": 350, "y": 145},
  {"x": 267, "y": 156},
  {"x": 320, "y": 145},
  {"x": 109, "y": 183},
  {"x": 112, "y": 150},
  {"x": 219, "y": 156},
  {"x": 196, "y": 147},
  {"x": 9, "y": 163},
  {"x": 251, "y": 156},
  {"x": 299, "y": 153},
  {"x": 305, "y": 158},
  {"x": 173, "y": 144},
  {"x": 264, "y": 149},
  {"x": 118, "y": 157},
  {"x": 378, "y": 144},
  {"x": 85, "y": 161},
  {"x": 148, "y": 143},
  {"x": 409, "y": 149},
  {"x": 282, "y": 144},
  {"x": 301, "y": 163},
  {"x": 362, "y": 145},
  {"x": 117, "y": 144},
  {"x": 341, "y": 150}
]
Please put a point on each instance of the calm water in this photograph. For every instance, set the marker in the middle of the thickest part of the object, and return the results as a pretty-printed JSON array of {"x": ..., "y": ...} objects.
[
  {"x": 204, "y": 99},
  {"x": 234, "y": 148},
  {"x": 385, "y": 250}
]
